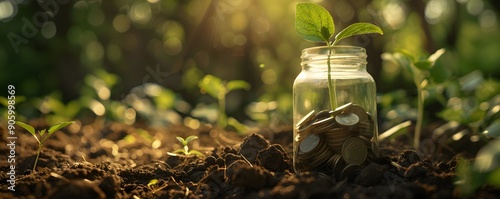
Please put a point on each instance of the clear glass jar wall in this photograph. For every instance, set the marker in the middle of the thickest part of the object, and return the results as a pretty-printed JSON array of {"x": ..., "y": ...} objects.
[{"x": 334, "y": 140}]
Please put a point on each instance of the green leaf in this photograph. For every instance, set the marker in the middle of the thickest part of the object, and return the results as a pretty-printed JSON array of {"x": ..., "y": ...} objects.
[
  {"x": 423, "y": 65},
  {"x": 42, "y": 132},
  {"x": 357, "y": 29},
  {"x": 313, "y": 22},
  {"x": 181, "y": 140},
  {"x": 152, "y": 183},
  {"x": 195, "y": 152},
  {"x": 58, "y": 126},
  {"x": 211, "y": 84},
  {"x": 190, "y": 138},
  {"x": 28, "y": 127},
  {"x": 237, "y": 84}
]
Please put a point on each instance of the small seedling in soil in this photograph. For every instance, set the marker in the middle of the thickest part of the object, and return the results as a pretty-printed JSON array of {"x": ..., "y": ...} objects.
[
  {"x": 218, "y": 89},
  {"x": 154, "y": 186},
  {"x": 419, "y": 69},
  {"x": 185, "y": 150},
  {"x": 314, "y": 23},
  {"x": 42, "y": 135}
]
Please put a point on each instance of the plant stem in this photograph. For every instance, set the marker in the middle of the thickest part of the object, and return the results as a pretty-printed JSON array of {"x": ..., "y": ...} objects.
[
  {"x": 37, "y": 155},
  {"x": 222, "y": 109},
  {"x": 331, "y": 88},
  {"x": 420, "y": 117}
]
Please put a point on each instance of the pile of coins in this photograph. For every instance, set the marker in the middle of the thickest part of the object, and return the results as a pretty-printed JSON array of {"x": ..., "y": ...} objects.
[{"x": 336, "y": 142}]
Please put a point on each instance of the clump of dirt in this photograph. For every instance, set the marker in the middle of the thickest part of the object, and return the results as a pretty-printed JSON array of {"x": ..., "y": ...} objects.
[{"x": 119, "y": 161}]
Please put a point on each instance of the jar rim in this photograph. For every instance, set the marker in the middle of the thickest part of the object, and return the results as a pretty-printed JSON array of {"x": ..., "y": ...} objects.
[
  {"x": 340, "y": 48},
  {"x": 340, "y": 53}
]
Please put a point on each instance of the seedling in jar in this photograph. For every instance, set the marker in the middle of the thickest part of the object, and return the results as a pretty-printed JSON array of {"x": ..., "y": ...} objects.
[
  {"x": 42, "y": 135},
  {"x": 314, "y": 23}
]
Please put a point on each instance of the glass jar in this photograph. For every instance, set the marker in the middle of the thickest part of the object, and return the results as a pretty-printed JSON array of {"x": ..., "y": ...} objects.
[{"x": 335, "y": 128}]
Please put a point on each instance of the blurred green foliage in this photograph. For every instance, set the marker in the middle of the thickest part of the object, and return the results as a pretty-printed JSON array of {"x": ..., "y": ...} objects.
[{"x": 142, "y": 60}]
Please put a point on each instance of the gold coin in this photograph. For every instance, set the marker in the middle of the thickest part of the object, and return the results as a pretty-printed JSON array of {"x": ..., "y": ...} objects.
[
  {"x": 347, "y": 119},
  {"x": 354, "y": 151},
  {"x": 309, "y": 143}
]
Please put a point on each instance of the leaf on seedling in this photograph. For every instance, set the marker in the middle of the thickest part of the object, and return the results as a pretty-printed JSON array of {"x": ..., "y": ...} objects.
[
  {"x": 436, "y": 55},
  {"x": 237, "y": 84},
  {"x": 190, "y": 138},
  {"x": 181, "y": 140},
  {"x": 42, "y": 132},
  {"x": 152, "y": 183},
  {"x": 176, "y": 152},
  {"x": 27, "y": 127},
  {"x": 58, "y": 126},
  {"x": 357, "y": 29},
  {"x": 423, "y": 65},
  {"x": 195, "y": 152},
  {"x": 211, "y": 85},
  {"x": 313, "y": 22}
]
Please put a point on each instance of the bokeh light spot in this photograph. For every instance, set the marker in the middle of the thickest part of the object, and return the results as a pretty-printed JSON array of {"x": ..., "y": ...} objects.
[
  {"x": 487, "y": 19},
  {"x": 172, "y": 46},
  {"x": 269, "y": 76},
  {"x": 94, "y": 51},
  {"x": 140, "y": 12},
  {"x": 6, "y": 10},
  {"x": 121, "y": 23},
  {"x": 49, "y": 30}
]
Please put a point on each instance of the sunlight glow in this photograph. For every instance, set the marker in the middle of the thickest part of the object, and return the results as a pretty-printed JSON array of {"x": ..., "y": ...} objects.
[
  {"x": 434, "y": 10},
  {"x": 121, "y": 23},
  {"x": 6, "y": 9},
  {"x": 394, "y": 15},
  {"x": 140, "y": 12}
]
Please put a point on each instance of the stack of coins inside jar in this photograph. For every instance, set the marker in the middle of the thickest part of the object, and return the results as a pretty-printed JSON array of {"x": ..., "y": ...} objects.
[{"x": 336, "y": 142}]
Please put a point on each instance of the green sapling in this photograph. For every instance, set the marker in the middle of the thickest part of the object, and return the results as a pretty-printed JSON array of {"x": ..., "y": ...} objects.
[
  {"x": 314, "y": 23},
  {"x": 42, "y": 135}
]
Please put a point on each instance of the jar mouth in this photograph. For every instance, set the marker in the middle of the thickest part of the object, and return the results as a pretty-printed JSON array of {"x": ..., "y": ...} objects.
[{"x": 337, "y": 54}]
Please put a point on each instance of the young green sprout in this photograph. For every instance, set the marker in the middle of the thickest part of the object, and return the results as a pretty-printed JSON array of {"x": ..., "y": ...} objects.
[
  {"x": 154, "y": 186},
  {"x": 42, "y": 135},
  {"x": 218, "y": 89},
  {"x": 314, "y": 23},
  {"x": 419, "y": 70},
  {"x": 185, "y": 149}
]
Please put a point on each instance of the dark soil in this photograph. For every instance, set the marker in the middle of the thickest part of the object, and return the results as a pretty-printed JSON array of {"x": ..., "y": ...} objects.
[{"x": 118, "y": 161}]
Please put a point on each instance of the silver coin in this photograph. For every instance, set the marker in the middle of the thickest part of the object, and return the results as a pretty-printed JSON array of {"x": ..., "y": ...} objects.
[
  {"x": 323, "y": 125},
  {"x": 348, "y": 170},
  {"x": 309, "y": 143},
  {"x": 359, "y": 111},
  {"x": 321, "y": 156},
  {"x": 305, "y": 119},
  {"x": 343, "y": 107},
  {"x": 347, "y": 119},
  {"x": 336, "y": 137},
  {"x": 354, "y": 151}
]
